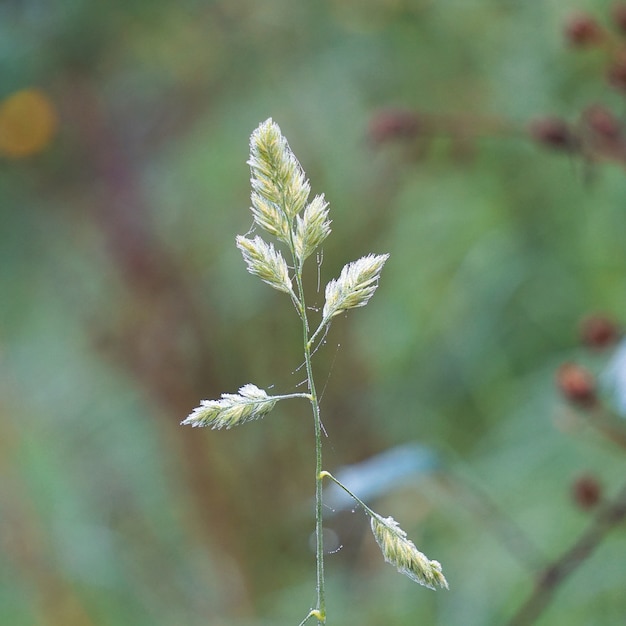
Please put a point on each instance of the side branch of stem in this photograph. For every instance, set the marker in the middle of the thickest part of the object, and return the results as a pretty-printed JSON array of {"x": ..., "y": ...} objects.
[{"x": 324, "y": 474}]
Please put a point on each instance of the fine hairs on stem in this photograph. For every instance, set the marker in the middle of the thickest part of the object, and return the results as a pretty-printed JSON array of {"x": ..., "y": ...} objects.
[{"x": 281, "y": 207}]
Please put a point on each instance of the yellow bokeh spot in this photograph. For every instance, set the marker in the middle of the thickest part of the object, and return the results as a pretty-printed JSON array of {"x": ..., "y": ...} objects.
[{"x": 28, "y": 122}]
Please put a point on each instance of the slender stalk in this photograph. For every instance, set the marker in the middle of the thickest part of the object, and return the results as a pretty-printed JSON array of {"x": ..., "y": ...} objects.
[
  {"x": 287, "y": 396},
  {"x": 356, "y": 498},
  {"x": 323, "y": 324},
  {"x": 320, "y": 612}
]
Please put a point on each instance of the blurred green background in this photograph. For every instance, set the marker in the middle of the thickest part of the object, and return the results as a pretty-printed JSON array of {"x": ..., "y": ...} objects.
[{"x": 124, "y": 133}]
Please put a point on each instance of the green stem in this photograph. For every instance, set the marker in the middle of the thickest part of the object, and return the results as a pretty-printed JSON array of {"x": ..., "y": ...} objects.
[{"x": 320, "y": 612}]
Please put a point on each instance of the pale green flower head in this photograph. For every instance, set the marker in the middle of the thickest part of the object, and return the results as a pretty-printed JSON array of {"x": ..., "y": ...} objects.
[
  {"x": 312, "y": 228},
  {"x": 278, "y": 181},
  {"x": 401, "y": 552},
  {"x": 250, "y": 403},
  {"x": 270, "y": 217},
  {"x": 355, "y": 286},
  {"x": 264, "y": 261}
]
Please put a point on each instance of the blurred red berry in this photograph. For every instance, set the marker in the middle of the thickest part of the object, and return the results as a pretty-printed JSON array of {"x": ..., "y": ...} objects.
[
  {"x": 602, "y": 121},
  {"x": 617, "y": 73},
  {"x": 582, "y": 30},
  {"x": 553, "y": 132},
  {"x": 619, "y": 16},
  {"x": 391, "y": 124},
  {"x": 599, "y": 331},
  {"x": 586, "y": 492},
  {"x": 576, "y": 384}
]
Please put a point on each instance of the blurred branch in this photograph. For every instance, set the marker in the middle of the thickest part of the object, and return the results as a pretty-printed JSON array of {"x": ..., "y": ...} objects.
[
  {"x": 510, "y": 535},
  {"x": 606, "y": 423},
  {"x": 552, "y": 576}
]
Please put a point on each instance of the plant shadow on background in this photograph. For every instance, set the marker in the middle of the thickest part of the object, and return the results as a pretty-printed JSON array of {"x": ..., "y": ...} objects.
[{"x": 481, "y": 399}]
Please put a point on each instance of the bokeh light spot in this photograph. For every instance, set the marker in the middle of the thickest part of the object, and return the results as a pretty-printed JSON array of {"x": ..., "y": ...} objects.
[{"x": 28, "y": 122}]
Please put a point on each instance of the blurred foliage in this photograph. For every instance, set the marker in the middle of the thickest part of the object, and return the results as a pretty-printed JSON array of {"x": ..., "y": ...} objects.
[{"x": 123, "y": 138}]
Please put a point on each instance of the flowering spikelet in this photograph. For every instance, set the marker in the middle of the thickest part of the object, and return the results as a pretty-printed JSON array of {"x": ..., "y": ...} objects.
[
  {"x": 277, "y": 178},
  {"x": 233, "y": 409},
  {"x": 355, "y": 286},
  {"x": 264, "y": 261},
  {"x": 269, "y": 216},
  {"x": 401, "y": 552},
  {"x": 311, "y": 228}
]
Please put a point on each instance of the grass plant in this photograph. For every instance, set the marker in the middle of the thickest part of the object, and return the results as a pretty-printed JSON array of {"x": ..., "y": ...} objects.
[{"x": 281, "y": 208}]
